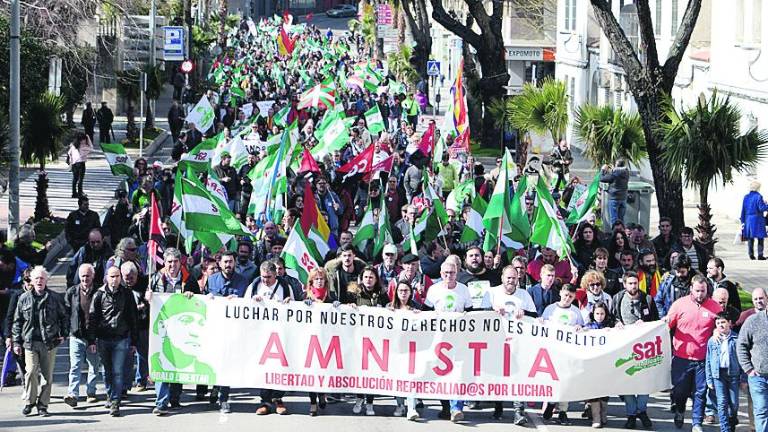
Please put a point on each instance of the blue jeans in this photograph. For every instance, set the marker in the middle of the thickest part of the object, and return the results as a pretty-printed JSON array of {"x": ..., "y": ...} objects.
[
  {"x": 223, "y": 394},
  {"x": 758, "y": 388},
  {"x": 129, "y": 370},
  {"x": 113, "y": 354},
  {"x": 617, "y": 209},
  {"x": 78, "y": 353},
  {"x": 142, "y": 349},
  {"x": 167, "y": 392},
  {"x": 710, "y": 408},
  {"x": 689, "y": 380},
  {"x": 456, "y": 405},
  {"x": 726, "y": 398},
  {"x": 635, "y": 404}
]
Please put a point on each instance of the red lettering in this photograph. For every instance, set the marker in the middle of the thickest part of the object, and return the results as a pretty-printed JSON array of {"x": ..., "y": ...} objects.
[
  {"x": 334, "y": 349},
  {"x": 543, "y": 363},
  {"x": 637, "y": 349},
  {"x": 381, "y": 360},
  {"x": 507, "y": 360},
  {"x": 411, "y": 357},
  {"x": 443, "y": 358},
  {"x": 478, "y": 348},
  {"x": 274, "y": 344}
]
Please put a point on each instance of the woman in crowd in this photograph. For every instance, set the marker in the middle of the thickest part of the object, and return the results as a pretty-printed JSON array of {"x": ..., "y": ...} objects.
[
  {"x": 586, "y": 243},
  {"x": 619, "y": 243},
  {"x": 600, "y": 263},
  {"x": 753, "y": 211},
  {"x": 77, "y": 155},
  {"x": 591, "y": 292},
  {"x": 317, "y": 291},
  {"x": 403, "y": 302}
]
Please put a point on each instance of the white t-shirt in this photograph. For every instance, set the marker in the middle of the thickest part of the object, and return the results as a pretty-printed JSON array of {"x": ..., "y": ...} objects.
[
  {"x": 448, "y": 300},
  {"x": 497, "y": 298},
  {"x": 566, "y": 316}
]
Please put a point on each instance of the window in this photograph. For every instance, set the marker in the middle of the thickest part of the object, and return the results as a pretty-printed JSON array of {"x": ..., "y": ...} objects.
[
  {"x": 573, "y": 91},
  {"x": 657, "y": 24},
  {"x": 739, "y": 24},
  {"x": 631, "y": 26},
  {"x": 673, "y": 21},
  {"x": 567, "y": 24},
  {"x": 757, "y": 28}
]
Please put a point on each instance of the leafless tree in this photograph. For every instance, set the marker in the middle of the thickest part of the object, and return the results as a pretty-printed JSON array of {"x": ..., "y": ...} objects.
[{"x": 651, "y": 82}]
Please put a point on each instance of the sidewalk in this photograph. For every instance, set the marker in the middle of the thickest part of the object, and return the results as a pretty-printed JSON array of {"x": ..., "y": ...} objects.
[{"x": 99, "y": 182}]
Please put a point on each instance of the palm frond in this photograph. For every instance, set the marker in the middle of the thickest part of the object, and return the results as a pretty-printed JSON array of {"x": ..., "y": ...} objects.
[
  {"x": 610, "y": 134},
  {"x": 42, "y": 129},
  {"x": 540, "y": 109}
]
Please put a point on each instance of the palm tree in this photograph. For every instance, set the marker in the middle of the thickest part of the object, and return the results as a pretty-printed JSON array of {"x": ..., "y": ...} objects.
[
  {"x": 128, "y": 88},
  {"x": 366, "y": 25},
  {"x": 540, "y": 109},
  {"x": 704, "y": 143},
  {"x": 399, "y": 63},
  {"x": 610, "y": 134},
  {"x": 42, "y": 132}
]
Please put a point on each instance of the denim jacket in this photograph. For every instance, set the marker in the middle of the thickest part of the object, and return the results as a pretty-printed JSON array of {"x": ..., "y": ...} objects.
[{"x": 713, "y": 358}]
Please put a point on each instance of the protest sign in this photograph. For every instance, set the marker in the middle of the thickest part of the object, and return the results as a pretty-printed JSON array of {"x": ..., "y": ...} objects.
[
  {"x": 264, "y": 106},
  {"x": 475, "y": 356}
]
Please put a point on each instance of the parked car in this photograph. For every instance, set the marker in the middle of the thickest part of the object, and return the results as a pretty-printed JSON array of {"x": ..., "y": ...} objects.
[{"x": 341, "y": 11}]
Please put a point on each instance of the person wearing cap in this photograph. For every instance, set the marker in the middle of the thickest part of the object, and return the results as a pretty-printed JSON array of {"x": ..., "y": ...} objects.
[
  {"x": 412, "y": 275},
  {"x": 388, "y": 269},
  {"x": 229, "y": 179}
]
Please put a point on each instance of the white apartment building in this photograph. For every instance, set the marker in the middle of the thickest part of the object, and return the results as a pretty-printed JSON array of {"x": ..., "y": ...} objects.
[{"x": 725, "y": 54}]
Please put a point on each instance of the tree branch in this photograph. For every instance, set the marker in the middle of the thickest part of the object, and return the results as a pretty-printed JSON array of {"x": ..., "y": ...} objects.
[
  {"x": 682, "y": 38},
  {"x": 443, "y": 18},
  {"x": 647, "y": 36},
  {"x": 618, "y": 39}
]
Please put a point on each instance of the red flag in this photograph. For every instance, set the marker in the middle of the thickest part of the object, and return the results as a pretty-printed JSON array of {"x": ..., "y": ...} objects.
[
  {"x": 155, "y": 233},
  {"x": 360, "y": 164},
  {"x": 427, "y": 143},
  {"x": 287, "y": 17},
  {"x": 382, "y": 165},
  {"x": 308, "y": 163},
  {"x": 461, "y": 143},
  {"x": 309, "y": 17}
]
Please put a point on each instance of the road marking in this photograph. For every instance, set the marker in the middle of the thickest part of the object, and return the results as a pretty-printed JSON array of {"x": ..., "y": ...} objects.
[{"x": 536, "y": 420}]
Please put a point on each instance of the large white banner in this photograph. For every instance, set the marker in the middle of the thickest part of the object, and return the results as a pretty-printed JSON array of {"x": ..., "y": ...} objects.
[{"x": 475, "y": 356}]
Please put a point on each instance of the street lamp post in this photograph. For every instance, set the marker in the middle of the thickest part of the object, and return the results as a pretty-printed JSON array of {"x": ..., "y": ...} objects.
[{"x": 14, "y": 121}]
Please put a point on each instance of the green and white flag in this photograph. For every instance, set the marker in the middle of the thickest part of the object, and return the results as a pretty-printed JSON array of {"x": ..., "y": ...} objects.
[
  {"x": 203, "y": 212},
  {"x": 366, "y": 230},
  {"x": 236, "y": 149},
  {"x": 384, "y": 231},
  {"x": 459, "y": 194},
  {"x": 548, "y": 227},
  {"x": 202, "y": 115},
  {"x": 473, "y": 228},
  {"x": 213, "y": 241},
  {"x": 119, "y": 161},
  {"x": 585, "y": 202},
  {"x": 374, "y": 120},
  {"x": 297, "y": 254},
  {"x": 501, "y": 218},
  {"x": 199, "y": 158},
  {"x": 334, "y": 137}
]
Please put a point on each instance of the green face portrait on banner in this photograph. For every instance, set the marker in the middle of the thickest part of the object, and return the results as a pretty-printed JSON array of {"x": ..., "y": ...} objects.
[{"x": 180, "y": 320}]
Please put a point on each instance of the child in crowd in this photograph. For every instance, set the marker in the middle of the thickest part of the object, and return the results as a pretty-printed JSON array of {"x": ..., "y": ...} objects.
[
  {"x": 599, "y": 318},
  {"x": 723, "y": 371}
]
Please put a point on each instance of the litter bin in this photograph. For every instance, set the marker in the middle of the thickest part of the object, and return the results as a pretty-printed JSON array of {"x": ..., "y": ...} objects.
[{"x": 639, "y": 196}]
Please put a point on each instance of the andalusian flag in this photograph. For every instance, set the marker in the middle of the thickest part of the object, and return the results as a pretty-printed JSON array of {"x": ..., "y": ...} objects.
[
  {"x": 118, "y": 159},
  {"x": 202, "y": 212},
  {"x": 213, "y": 241},
  {"x": 548, "y": 227},
  {"x": 202, "y": 115},
  {"x": 459, "y": 194},
  {"x": 366, "y": 230},
  {"x": 384, "y": 231},
  {"x": 473, "y": 228},
  {"x": 585, "y": 202},
  {"x": 334, "y": 137},
  {"x": 199, "y": 158},
  {"x": 298, "y": 255},
  {"x": 500, "y": 219},
  {"x": 374, "y": 120},
  {"x": 321, "y": 95}
]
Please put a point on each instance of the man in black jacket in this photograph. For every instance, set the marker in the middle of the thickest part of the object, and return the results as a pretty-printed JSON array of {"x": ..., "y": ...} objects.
[
  {"x": 113, "y": 329},
  {"x": 105, "y": 117},
  {"x": 79, "y": 224},
  {"x": 39, "y": 326},
  {"x": 88, "y": 120},
  {"x": 78, "y": 301},
  {"x": 96, "y": 252},
  {"x": 175, "y": 119}
]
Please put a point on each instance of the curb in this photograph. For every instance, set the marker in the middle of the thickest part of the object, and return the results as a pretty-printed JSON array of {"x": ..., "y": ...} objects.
[{"x": 60, "y": 246}]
